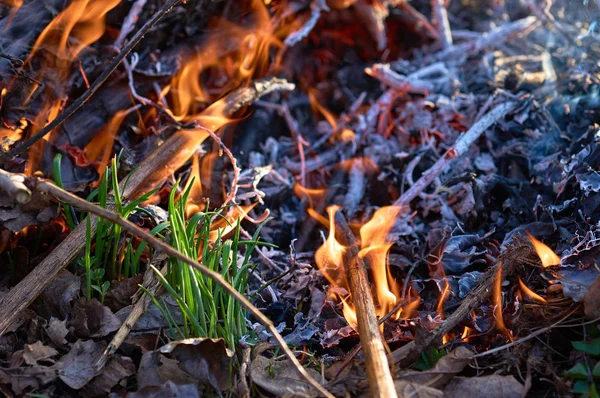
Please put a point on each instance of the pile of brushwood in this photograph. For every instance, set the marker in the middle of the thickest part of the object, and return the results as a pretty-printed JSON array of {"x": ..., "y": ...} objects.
[{"x": 299, "y": 198}]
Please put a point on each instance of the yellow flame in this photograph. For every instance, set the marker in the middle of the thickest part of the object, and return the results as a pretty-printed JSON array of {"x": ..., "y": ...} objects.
[
  {"x": 546, "y": 255},
  {"x": 330, "y": 256},
  {"x": 530, "y": 293},
  {"x": 497, "y": 301}
]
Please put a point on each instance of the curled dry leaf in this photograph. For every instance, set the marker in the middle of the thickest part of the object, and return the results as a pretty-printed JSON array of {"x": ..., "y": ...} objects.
[
  {"x": 444, "y": 370},
  {"x": 92, "y": 319},
  {"x": 115, "y": 372},
  {"x": 207, "y": 360},
  {"x": 56, "y": 299},
  {"x": 494, "y": 386},
  {"x": 120, "y": 292},
  {"x": 57, "y": 331},
  {"x": 280, "y": 378},
  {"x": 77, "y": 367},
  {"x": 32, "y": 353},
  {"x": 409, "y": 389}
]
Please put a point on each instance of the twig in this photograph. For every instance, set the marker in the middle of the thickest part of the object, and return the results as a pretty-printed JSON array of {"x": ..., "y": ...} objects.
[
  {"x": 378, "y": 370},
  {"x": 140, "y": 305},
  {"x": 440, "y": 14},
  {"x": 386, "y": 75},
  {"x": 460, "y": 148},
  {"x": 317, "y": 7},
  {"x": 13, "y": 185},
  {"x": 49, "y": 188},
  {"x": 129, "y": 22},
  {"x": 78, "y": 103}
]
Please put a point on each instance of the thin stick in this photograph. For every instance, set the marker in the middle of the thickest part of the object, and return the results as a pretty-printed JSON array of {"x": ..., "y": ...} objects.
[
  {"x": 49, "y": 188},
  {"x": 317, "y": 7},
  {"x": 460, "y": 148},
  {"x": 74, "y": 107},
  {"x": 378, "y": 370},
  {"x": 440, "y": 14}
]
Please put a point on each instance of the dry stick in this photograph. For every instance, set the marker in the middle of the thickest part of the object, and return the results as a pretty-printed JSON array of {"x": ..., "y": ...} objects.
[
  {"x": 65, "y": 114},
  {"x": 378, "y": 370},
  {"x": 23, "y": 294},
  {"x": 49, "y": 188},
  {"x": 141, "y": 301},
  {"x": 317, "y": 7},
  {"x": 460, "y": 148},
  {"x": 440, "y": 14}
]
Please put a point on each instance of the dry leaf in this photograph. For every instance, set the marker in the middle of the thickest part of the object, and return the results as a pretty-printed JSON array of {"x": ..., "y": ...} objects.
[
  {"x": 92, "y": 319},
  {"x": 57, "y": 331},
  {"x": 280, "y": 378},
  {"x": 591, "y": 300},
  {"x": 55, "y": 300},
  {"x": 443, "y": 371},
  {"x": 120, "y": 292},
  {"x": 169, "y": 389},
  {"x": 407, "y": 389},
  {"x": 208, "y": 360},
  {"x": 32, "y": 353},
  {"x": 77, "y": 367},
  {"x": 115, "y": 372},
  {"x": 156, "y": 369},
  {"x": 494, "y": 386}
]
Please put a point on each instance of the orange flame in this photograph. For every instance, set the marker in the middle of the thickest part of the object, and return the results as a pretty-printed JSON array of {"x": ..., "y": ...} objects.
[
  {"x": 530, "y": 293},
  {"x": 194, "y": 184},
  {"x": 497, "y": 300},
  {"x": 346, "y": 135},
  {"x": 99, "y": 149},
  {"x": 546, "y": 255},
  {"x": 375, "y": 246}
]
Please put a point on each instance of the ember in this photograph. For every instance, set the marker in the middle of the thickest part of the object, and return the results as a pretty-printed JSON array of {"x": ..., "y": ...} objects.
[{"x": 367, "y": 184}]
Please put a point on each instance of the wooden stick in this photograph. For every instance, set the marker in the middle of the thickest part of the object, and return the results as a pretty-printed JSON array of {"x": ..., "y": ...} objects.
[
  {"x": 460, "y": 148},
  {"x": 49, "y": 188},
  {"x": 440, "y": 14},
  {"x": 74, "y": 107},
  {"x": 166, "y": 158},
  {"x": 378, "y": 370}
]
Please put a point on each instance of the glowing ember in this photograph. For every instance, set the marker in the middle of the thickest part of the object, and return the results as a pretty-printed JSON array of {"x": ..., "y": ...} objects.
[
  {"x": 530, "y": 293},
  {"x": 547, "y": 255}
]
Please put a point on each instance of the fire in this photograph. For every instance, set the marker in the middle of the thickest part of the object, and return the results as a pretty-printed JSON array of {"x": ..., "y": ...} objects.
[
  {"x": 497, "y": 300},
  {"x": 530, "y": 293},
  {"x": 195, "y": 186},
  {"x": 99, "y": 149},
  {"x": 230, "y": 63},
  {"x": 346, "y": 135},
  {"x": 374, "y": 249},
  {"x": 547, "y": 255},
  {"x": 375, "y": 246}
]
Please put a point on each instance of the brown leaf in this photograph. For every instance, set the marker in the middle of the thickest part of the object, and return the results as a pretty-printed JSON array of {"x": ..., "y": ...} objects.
[
  {"x": 494, "y": 386},
  {"x": 120, "y": 292},
  {"x": 57, "y": 331},
  {"x": 92, "y": 319},
  {"x": 280, "y": 377},
  {"x": 169, "y": 389},
  {"x": 156, "y": 369},
  {"x": 32, "y": 353},
  {"x": 208, "y": 360},
  {"x": 408, "y": 389},
  {"x": 443, "y": 371},
  {"x": 115, "y": 372},
  {"x": 77, "y": 367},
  {"x": 55, "y": 300},
  {"x": 591, "y": 300}
]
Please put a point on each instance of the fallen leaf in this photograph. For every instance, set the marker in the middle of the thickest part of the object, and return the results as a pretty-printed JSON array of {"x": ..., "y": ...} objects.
[
  {"x": 169, "y": 389},
  {"x": 408, "y": 389},
  {"x": 57, "y": 331},
  {"x": 77, "y": 367},
  {"x": 156, "y": 369},
  {"x": 280, "y": 378},
  {"x": 55, "y": 300},
  {"x": 120, "y": 292},
  {"x": 32, "y": 353},
  {"x": 494, "y": 386},
  {"x": 591, "y": 300},
  {"x": 92, "y": 319},
  {"x": 444, "y": 370},
  {"x": 208, "y": 360},
  {"x": 115, "y": 372}
]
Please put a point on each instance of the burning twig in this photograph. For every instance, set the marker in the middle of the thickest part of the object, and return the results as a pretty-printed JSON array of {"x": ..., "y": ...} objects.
[
  {"x": 440, "y": 14},
  {"x": 317, "y": 7},
  {"x": 130, "y": 21},
  {"x": 43, "y": 186},
  {"x": 78, "y": 103},
  {"x": 378, "y": 371},
  {"x": 460, "y": 148}
]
